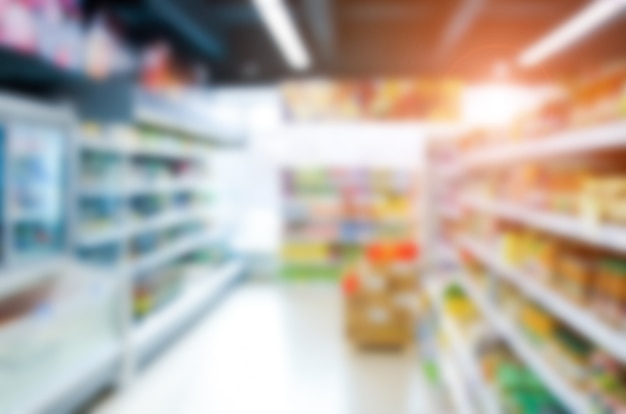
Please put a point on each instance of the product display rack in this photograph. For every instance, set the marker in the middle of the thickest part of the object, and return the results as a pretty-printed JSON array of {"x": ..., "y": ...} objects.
[
  {"x": 167, "y": 143},
  {"x": 458, "y": 169},
  {"x": 465, "y": 365},
  {"x": 87, "y": 365},
  {"x": 566, "y": 394},
  {"x": 587, "y": 324},
  {"x": 594, "y": 138},
  {"x": 331, "y": 214}
]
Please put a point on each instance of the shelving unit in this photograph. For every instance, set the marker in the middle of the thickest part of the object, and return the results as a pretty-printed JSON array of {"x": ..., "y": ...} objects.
[
  {"x": 186, "y": 253},
  {"x": 331, "y": 214},
  {"x": 157, "y": 329},
  {"x": 596, "y": 138},
  {"x": 459, "y": 355},
  {"x": 579, "y": 319},
  {"x": 570, "y": 397},
  {"x": 610, "y": 237},
  {"x": 453, "y": 170}
]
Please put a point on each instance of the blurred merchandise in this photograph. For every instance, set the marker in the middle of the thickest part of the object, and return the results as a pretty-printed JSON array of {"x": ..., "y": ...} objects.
[
  {"x": 389, "y": 99},
  {"x": 381, "y": 296},
  {"x": 330, "y": 215}
]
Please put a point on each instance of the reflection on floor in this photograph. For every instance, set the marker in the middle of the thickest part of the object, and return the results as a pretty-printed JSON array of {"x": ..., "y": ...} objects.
[{"x": 278, "y": 350}]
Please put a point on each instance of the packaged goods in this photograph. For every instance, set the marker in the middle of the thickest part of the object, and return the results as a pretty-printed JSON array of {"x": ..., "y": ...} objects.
[
  {"x": 575, "y": 275},
  {"x": 610, "y": 295}
]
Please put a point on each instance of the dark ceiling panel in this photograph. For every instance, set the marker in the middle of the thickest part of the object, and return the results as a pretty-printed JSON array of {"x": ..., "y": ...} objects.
[{"x": 368, "y": 38}]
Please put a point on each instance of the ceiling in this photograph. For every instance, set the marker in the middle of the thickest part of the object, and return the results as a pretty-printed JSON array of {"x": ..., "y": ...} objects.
[{"x": 366, "y": 38}]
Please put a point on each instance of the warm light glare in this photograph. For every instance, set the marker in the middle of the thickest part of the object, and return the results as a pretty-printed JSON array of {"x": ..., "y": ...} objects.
[
  {"x": 491, "y": 105},
  {"x": 280, "y": 25},
  {"x": 587, "y": 20}
]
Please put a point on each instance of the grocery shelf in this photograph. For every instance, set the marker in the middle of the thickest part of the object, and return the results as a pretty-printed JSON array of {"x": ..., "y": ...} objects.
[
  {"x": 454, "y": 382},
  {"x": 157, "y": 327},
  {"x": 610, "y": 237},
  {"x": 96, "y": 369},
  {"x": 569, "y": 397},
  {"x": 461, "y": 354},
  {"x": 110, "y": 146},
  {"x": 172, "y": 251},
  {"x": 584, "y": 322},
  {"x": 163, "y": 186},
  {"x": 597, "y": 138},
  {"x": 90, "y": 238},
  {"x": 15, "y": 280},
  {"x": 161, "y": 221}
]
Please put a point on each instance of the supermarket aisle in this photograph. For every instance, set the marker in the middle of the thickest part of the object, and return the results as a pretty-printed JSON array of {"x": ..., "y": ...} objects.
[{"x": 275, "y": 349}]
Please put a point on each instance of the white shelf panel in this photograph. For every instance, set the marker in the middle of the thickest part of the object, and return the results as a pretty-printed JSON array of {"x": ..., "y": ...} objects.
[
  {"x": 167, "y": 219},
  {"x": 197, "y": 295},
  {"x": 164, "y": 186},
  {"x": 74, "y": 379},
  {"x": 90, "y": 238},
  {"x": 603, "y": 137},
  {"x": 454, "y": 383},
  {"x": 102, "y": 145},
  {"x": 130, "y": 148},
  {"x": 125, "y": 230},
  {"x": 584, "y": 322},
  {"x": 14, "y": 280},
  {"x": 173, "y": 251},
  {"x": 462, "y": 355},
  {"x": 610, "y": 237},
  {"x": 570, "y": 397}
]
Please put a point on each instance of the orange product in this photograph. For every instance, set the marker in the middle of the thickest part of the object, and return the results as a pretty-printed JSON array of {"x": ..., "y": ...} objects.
[
  {"x": 379, "y": 253},
  {"x": 406, "y": 251},
  {"x": 350, "y": 284}
]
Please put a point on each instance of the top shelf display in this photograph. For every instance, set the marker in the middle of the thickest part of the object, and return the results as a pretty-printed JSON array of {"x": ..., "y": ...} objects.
[
  {"x": 585, "y": 114},
  {"x": 593, "y": 139},
  {"x": 155, "y": 111}
]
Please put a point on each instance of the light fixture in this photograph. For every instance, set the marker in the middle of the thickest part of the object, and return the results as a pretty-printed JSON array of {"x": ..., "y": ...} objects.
[
  {"x": 590, "y": 18},
  {"x": 276, "y": 17}
]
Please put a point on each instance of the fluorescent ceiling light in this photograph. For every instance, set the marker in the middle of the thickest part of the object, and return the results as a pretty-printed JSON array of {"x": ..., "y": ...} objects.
[
  {"x": 280, "y": 25},
  {"x": 590, "y": 18}
]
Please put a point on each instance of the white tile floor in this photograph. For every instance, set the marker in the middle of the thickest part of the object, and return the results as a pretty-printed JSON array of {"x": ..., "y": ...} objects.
[{"x": 275, "y": 349}]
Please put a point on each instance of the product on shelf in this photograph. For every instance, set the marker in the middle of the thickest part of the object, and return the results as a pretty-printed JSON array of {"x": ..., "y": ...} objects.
[
  {"x": 381, "y": 296},
  {"x": 518, "y": 388},
  {"x": 332, "y": 214}
]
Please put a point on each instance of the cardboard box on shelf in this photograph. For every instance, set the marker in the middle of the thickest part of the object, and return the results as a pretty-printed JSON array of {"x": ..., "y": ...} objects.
[
  {"x": 381, "y": 298},
  {"x": 378, "y": 319}
]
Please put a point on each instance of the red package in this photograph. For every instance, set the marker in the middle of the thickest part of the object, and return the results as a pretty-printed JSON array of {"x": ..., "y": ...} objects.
[
  {"x": 407, "y": 252},
  {"x": 378, "y": 253},
  {"x": 350, "y": 284}
]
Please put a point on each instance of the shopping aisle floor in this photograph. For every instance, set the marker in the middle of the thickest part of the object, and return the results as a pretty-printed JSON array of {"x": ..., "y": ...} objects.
[{"x": 276, "y": 349}]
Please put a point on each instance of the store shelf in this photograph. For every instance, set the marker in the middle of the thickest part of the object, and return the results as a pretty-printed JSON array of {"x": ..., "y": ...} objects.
[
  {"x": 109, "y": 146},
  {"x": 159, "y": 222},
  {"x": 156, "y": 328},
  {"x": 166, "y": 151},
  {"x": 163, "y": 186},
  {"x": 584, "y": 322},
  {"x": 610, "y": 237},
  {"x": 173, "y": 251},
  {"x": 93, "y": 238},
  {"x": 462, "y": 355},
  {"x": 569, "y": 397},
  {"x": 14, "y": 280},
  {"x": 598, "y": 138},
  {"x": 454, "y": 383},
  {"x": 167, "y": 219},
  {"x": 96, "y": 369}
]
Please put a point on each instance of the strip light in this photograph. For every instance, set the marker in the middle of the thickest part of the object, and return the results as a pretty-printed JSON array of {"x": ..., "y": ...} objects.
[
  {"x": 589, "y": 19},
  {"x": 276, "y": 18}
]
